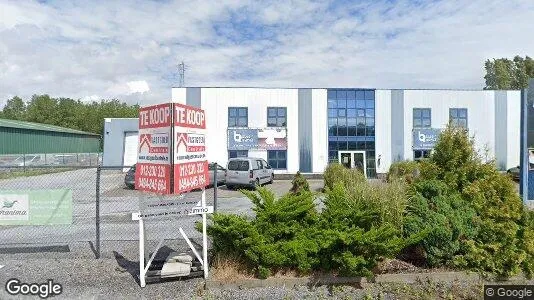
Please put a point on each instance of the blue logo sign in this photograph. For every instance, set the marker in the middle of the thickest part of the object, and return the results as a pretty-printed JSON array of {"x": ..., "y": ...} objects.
[
  {"x": 425, "y": 139},
  {"x": 257, "y": 139},
  {"x": 242, "y": 139}
]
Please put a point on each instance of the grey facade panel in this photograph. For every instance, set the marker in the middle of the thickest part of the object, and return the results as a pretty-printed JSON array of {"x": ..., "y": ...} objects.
[
  {"x": 501, "y": 128},
  {"x": 397, "y": 125},
  {"x": 305, "y": 113},
  {"x": 192, "y": 97},
  {"x": 114, "y": 140}
]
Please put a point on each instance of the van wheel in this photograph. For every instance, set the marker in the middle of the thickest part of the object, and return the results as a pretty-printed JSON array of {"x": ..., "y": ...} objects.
[
  {"x": 257, "y": 183},
  {"x": 230, "y": 187},
  {"x": 272, "y": 179}
]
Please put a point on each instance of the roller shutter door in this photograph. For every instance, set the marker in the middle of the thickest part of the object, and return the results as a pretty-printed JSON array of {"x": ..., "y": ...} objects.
[{"x": 129, "y": 157}]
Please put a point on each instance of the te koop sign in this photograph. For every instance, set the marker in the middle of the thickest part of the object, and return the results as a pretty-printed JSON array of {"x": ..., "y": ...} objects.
[{"x": 190, "y": 164}]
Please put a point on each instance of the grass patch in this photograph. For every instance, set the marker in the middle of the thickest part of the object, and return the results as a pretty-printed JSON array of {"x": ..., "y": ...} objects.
[{"x": 32, "y": 172}]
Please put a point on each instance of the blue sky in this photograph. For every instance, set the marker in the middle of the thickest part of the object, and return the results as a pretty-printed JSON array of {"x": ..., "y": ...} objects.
[{"x": 130, "y": 50}]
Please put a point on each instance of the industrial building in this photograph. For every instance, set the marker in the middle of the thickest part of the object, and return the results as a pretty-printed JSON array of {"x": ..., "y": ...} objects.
[
  {"x": 303, "y": 129},
  {"x": 28, "y": 143}
]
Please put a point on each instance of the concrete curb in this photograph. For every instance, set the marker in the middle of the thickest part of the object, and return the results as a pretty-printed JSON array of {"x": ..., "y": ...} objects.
[
  {"x": 400, "y": 278},
  {"x": 283, "y": 282}
]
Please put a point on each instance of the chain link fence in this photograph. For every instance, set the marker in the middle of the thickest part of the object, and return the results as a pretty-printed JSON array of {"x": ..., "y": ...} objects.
[
  {"x": 80, "y": 180},
  {"x": 102, "y": 207}
]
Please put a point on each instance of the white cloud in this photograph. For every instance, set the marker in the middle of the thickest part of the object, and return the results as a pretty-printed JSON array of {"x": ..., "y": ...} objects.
[{"x": 130, "y": 51}]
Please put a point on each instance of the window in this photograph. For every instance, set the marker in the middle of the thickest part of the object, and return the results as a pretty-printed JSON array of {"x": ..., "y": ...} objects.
[
  {"x": 237, "y": 153},
  {"x": 421, "y": 118},
  {"x": 420, "y": 154},
  {"x": 277, "y": 159},
  {"x": 238, "y": 165},
  {"x": 276, "y": 116},
  {"x": 458, "y": 117},
  {"x": 237, "y": 117}
]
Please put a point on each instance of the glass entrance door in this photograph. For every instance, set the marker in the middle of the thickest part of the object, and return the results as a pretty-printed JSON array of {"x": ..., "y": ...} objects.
[{"x": 353, "y": 160}]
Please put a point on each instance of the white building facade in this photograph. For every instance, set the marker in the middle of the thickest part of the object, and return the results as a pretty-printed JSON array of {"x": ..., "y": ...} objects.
[{"x": 304, "y": 129}]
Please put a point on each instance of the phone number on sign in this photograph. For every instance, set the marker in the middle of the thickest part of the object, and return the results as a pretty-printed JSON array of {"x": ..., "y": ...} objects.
[
  {"x": 152, "y": 171},
  {"x": 152, "y": 184},
  {"x": 192, "y": 182},
  {"x": 191, "y": 169}
]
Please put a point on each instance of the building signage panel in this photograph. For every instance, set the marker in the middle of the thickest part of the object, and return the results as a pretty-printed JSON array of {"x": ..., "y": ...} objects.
[
  {"x": 153, "y": 169},
  {"x": 425, "y": 139},
  {"x": 36, "y": 207},
  {"x": 189, "y": 150},
  {"x": 257, "y": 139}
]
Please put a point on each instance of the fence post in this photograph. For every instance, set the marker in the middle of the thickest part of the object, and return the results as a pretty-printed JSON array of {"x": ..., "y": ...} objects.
[
  {"x": 97, "y": 216},
  {"x": 215, "y": 188}
]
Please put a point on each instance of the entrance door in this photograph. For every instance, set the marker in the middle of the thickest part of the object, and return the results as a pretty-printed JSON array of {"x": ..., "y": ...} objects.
[{"x": 353, "y": 159}]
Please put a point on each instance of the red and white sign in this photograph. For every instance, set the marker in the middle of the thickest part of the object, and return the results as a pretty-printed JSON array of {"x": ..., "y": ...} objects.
[
  {"x": 189, "y": 150},
  {"x": 153, "y": 169}
]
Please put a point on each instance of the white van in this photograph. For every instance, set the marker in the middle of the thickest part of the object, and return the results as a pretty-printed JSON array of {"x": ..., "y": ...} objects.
[{"x": 248, "y": 171}]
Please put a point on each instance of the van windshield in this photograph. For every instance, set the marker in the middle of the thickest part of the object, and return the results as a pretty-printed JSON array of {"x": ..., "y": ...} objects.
[{"x": 238, "y": 165}]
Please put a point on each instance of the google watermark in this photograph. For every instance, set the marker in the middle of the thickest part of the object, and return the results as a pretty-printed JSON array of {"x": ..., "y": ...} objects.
[
  {"x": 509, "y": 292},
  {"x": 44, "y": 290}
]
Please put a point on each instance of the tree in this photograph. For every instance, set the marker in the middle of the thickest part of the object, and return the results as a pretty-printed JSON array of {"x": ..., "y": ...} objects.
[
  {"x": 506, "y": 74},
  {"x": 15, "y": 109},
  {"x": 66, "y": 112}
]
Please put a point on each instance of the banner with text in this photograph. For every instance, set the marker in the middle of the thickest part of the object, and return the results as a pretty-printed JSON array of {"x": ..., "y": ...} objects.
[
  {"x": 153, "y": 169},
  {"x": 36, "y": 207},
  {"x": 189, "y": 149},
  {"x": 257, "y": 139},
  {"x": 425, "y": 138}
]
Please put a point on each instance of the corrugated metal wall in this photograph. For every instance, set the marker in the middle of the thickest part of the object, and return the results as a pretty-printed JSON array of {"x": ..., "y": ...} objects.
[{"x": 22, "y": 141}]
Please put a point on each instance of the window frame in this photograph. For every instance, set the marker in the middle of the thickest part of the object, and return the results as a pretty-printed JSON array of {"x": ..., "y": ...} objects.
[
  {"x": 422, "y": 118},
  {"x": 456, "y": 120},
  {"x": 237, "y": 117},
  {"x": 237, "y": 151},
  {"x": 277, "y": 116},
  {"x": 423, "y": 151},
  {"x": 277, "y": 160}
]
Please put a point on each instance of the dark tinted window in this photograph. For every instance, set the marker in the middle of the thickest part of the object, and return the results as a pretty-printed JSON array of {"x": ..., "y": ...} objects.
[{"x": 238, "y": 165}]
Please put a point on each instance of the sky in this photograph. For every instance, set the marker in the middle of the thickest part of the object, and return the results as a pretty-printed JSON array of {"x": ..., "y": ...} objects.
[{"x": 130, "y": 50}]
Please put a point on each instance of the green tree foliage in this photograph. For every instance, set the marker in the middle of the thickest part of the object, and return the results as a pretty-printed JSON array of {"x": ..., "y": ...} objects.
[
  {"x": 406, "y": 170},
  {"x": 14, "y": 109},
  {"x": 299, "y": 184},
  {"x": 66, "y": 112},
  {"x": 350, "y": 235},
  {"x": 474, "y": 214},
  {"x": 336, "y": 172},
  {"x": 506, "y": 74}
]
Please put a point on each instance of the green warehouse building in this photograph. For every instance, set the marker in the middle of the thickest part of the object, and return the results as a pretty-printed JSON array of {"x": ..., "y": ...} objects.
[{"x": 26, "y": 143}]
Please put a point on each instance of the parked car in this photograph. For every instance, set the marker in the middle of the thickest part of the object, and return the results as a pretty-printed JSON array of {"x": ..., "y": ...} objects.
[
  {"x": 513, "y": 173},
  {"x": 220, "y": 174},
  {"x": 129, "y": 178},
  {"x": 248, "y": 171}
]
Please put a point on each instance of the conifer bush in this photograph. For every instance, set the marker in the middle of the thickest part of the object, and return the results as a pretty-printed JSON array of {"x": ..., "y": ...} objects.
[
  {"x": 299, "y": 184},
  {"x": 403, "y": 170},
  {"x": 475, "y": 218},
  {"x": 349, "y": 235}
]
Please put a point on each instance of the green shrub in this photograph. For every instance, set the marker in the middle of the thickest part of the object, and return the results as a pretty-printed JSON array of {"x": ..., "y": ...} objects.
[
  {"x": 299, "y": 184},
  {"x": 474, "y": 215},
  {"x": 279, "y": 235},
  {"x": 335, "y": 172},
  {"x": 445, "y": 216},
  {"x": 350, "y": 235},
  {"x": 406, "y": 170}
]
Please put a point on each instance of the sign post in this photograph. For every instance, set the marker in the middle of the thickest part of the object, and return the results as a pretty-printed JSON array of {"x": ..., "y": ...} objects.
[{"x": 171, "y": 137}]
